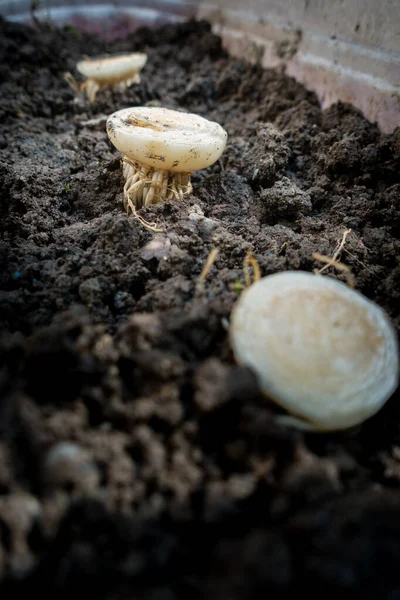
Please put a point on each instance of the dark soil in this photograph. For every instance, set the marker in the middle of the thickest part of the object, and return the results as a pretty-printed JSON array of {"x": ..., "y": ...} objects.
[{"x": 135, "y": 456}]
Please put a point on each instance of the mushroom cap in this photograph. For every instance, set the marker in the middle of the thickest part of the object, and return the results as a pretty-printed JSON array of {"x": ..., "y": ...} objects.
[
  {"x": 320, "y": 349},
  {"x": 165, "y": 139},
  {"x": 112, "y": 69}
]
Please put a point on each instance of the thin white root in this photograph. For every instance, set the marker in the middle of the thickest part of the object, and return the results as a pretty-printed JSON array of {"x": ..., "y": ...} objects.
[
  {"x": 336, "y": 252},
  {"x": 334, "y": 262},
  {"x": 151, "y": 226},
  {"x": 72, "y": 82},
  {"x": 90, "y": 88},
  {"x": 145, "y": 186}
]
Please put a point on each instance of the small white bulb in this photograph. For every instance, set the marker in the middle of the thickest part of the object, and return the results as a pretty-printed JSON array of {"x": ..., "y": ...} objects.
[
  {"x": 321, "y": 350},
  {"x": 118, "y": 71},
  {"x": 161, "y": 148}
]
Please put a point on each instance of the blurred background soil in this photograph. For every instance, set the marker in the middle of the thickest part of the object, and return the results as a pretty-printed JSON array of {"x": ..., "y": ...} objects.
[{"x": 136, "y": 457}]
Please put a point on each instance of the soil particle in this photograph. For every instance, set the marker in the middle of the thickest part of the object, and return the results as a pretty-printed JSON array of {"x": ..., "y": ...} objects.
[
  {"x": 263, "y": 158},
  {"x": 135, "y": 455},
  {"x": 285, "y": 200}
]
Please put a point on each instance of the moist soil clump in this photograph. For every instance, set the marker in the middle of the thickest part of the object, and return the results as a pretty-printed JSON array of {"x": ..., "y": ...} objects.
[{"x": 136, "y": 457}]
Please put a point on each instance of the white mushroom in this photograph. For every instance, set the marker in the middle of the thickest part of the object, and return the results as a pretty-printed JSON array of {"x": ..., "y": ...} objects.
[
  {"x": 321, "y": 350},
  {"x": 118, "y": 72},
  {"x": 161, "y": 148}
]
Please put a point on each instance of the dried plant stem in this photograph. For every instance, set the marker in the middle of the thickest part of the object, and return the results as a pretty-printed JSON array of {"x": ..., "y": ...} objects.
[
  {"x": 331, "y": 261},
  {"x": 250, "y": 260}
]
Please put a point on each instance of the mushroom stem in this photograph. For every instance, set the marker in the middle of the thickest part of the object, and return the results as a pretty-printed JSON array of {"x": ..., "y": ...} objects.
[{"x": 145, "y": 185}]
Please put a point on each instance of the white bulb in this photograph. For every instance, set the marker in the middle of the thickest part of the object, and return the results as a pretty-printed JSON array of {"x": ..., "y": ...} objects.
[
  {"x": 117, "y": 72},
  {"x": 162, "y": 147},
  {"x": 320, "y": 349},
  {"x": 166, "y": 139},
  {"x": 112, "y": 68}
]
